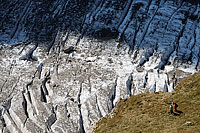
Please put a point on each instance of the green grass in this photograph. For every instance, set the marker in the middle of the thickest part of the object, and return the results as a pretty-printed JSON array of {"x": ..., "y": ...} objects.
[{"x": 150, "y": 112}]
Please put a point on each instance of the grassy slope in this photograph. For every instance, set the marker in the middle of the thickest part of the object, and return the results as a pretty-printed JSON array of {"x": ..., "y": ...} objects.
[{"x": 150, "y": 112}]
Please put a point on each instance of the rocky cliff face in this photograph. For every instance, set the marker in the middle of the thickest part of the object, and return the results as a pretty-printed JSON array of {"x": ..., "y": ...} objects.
[{"x": 64, "y": 64}]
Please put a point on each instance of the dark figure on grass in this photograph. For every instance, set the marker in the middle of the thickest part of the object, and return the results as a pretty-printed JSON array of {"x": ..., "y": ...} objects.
[
  {"x": 171, "y": 108},
  {"x": 175, "y": 106}
]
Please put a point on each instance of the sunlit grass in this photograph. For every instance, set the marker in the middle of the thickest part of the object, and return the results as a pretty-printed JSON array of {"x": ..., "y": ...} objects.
[{"x": 150, "y": 112}]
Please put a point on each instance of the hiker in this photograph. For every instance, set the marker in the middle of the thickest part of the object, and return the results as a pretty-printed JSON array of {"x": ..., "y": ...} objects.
[
  {"x": 171, "y": 108},
  {"x": 175, "y": 106}
]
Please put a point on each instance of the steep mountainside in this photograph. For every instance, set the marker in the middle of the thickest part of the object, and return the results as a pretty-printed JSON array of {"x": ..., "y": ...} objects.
[
  {"x": 65, "y": 63},
  {"x": 150, "y": 112}
]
